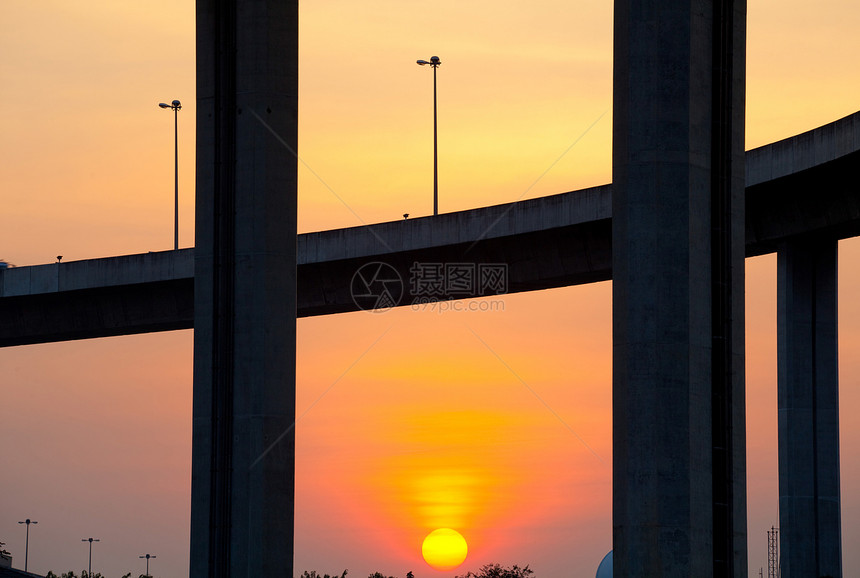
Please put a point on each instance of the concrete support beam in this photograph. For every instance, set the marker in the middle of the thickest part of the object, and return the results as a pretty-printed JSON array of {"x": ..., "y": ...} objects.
[
  {"x": 243, "y": 458},
  {"x": 679, "y": 495},
  {"x": 809, "y": 505}
]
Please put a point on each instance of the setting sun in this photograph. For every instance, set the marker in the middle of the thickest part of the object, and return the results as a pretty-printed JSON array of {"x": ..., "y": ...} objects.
[{"x": 444, "y": 549}]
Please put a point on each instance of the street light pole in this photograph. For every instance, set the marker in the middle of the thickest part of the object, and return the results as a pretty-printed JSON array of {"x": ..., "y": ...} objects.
[
  {"x": 147, "y": 556},
  {"x": 175, "y": 106},
  {"x": 28, "y": 521},
  {"x": 90, "y": 540},
  {"x": 434, "y": 64}
]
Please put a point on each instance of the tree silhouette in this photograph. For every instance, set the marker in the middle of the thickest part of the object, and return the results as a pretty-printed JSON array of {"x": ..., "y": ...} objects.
[
  {"x": 313, "y": 574},
  {"x": 498, "y": 571},
  {"x": 84, "y": 574}
]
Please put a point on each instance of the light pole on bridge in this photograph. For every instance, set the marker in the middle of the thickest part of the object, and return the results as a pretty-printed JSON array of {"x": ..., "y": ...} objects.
[
  {"x": 434, "y": 64},
  {"x": 175, "y": 106}
]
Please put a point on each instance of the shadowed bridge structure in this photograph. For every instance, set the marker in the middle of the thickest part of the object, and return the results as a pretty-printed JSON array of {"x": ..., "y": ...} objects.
[
  {"x": 685, "y": 207},
  {"x": 802, "y": 186}
]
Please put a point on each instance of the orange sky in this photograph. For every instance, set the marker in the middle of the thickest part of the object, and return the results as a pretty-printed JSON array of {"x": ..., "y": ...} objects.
[{"x": 494, "y": 423}]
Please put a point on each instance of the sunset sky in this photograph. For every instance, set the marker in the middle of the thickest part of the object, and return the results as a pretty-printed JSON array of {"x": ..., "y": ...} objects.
[{"x": 494, "y": 423}]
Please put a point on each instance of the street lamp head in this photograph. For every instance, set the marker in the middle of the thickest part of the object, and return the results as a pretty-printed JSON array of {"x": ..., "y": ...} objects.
[
  {"x": 163, "y": 105},
  {"x": 434, "y": 61},
  {"x": 176, "y": 104}
]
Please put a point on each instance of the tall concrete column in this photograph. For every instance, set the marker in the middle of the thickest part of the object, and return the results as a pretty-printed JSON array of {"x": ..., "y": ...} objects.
[
  {"x": 809, "y": 505},
  {"x": 679, "y": 485},
  {"x": 242, "y": 494}
]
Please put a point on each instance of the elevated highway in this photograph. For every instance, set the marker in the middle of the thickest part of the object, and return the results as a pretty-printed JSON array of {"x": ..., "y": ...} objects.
[{"x": 804, "y": 186}]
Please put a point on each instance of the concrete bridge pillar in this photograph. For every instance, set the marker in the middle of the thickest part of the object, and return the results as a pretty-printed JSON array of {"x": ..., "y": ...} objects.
[
  {"x": 245, "y": 289},
  {"x": 809, "y": 504},
  {"x": 679, "y": 485}
]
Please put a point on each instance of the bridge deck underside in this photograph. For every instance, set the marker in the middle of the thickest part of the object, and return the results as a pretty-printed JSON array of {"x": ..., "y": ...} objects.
[{"x": 822, "y": 201}]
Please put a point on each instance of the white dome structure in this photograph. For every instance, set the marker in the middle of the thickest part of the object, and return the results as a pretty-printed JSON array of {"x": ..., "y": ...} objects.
[{"x": 605, "y": 568}]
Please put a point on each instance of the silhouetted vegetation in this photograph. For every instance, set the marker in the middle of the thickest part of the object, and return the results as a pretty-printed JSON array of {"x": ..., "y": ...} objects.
[
  {"x": 486, "y": 571},
  {"x": 313, "y": 574},
  {"x": 498, "y": 571},
  {"x": 85, "y": 574}
]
